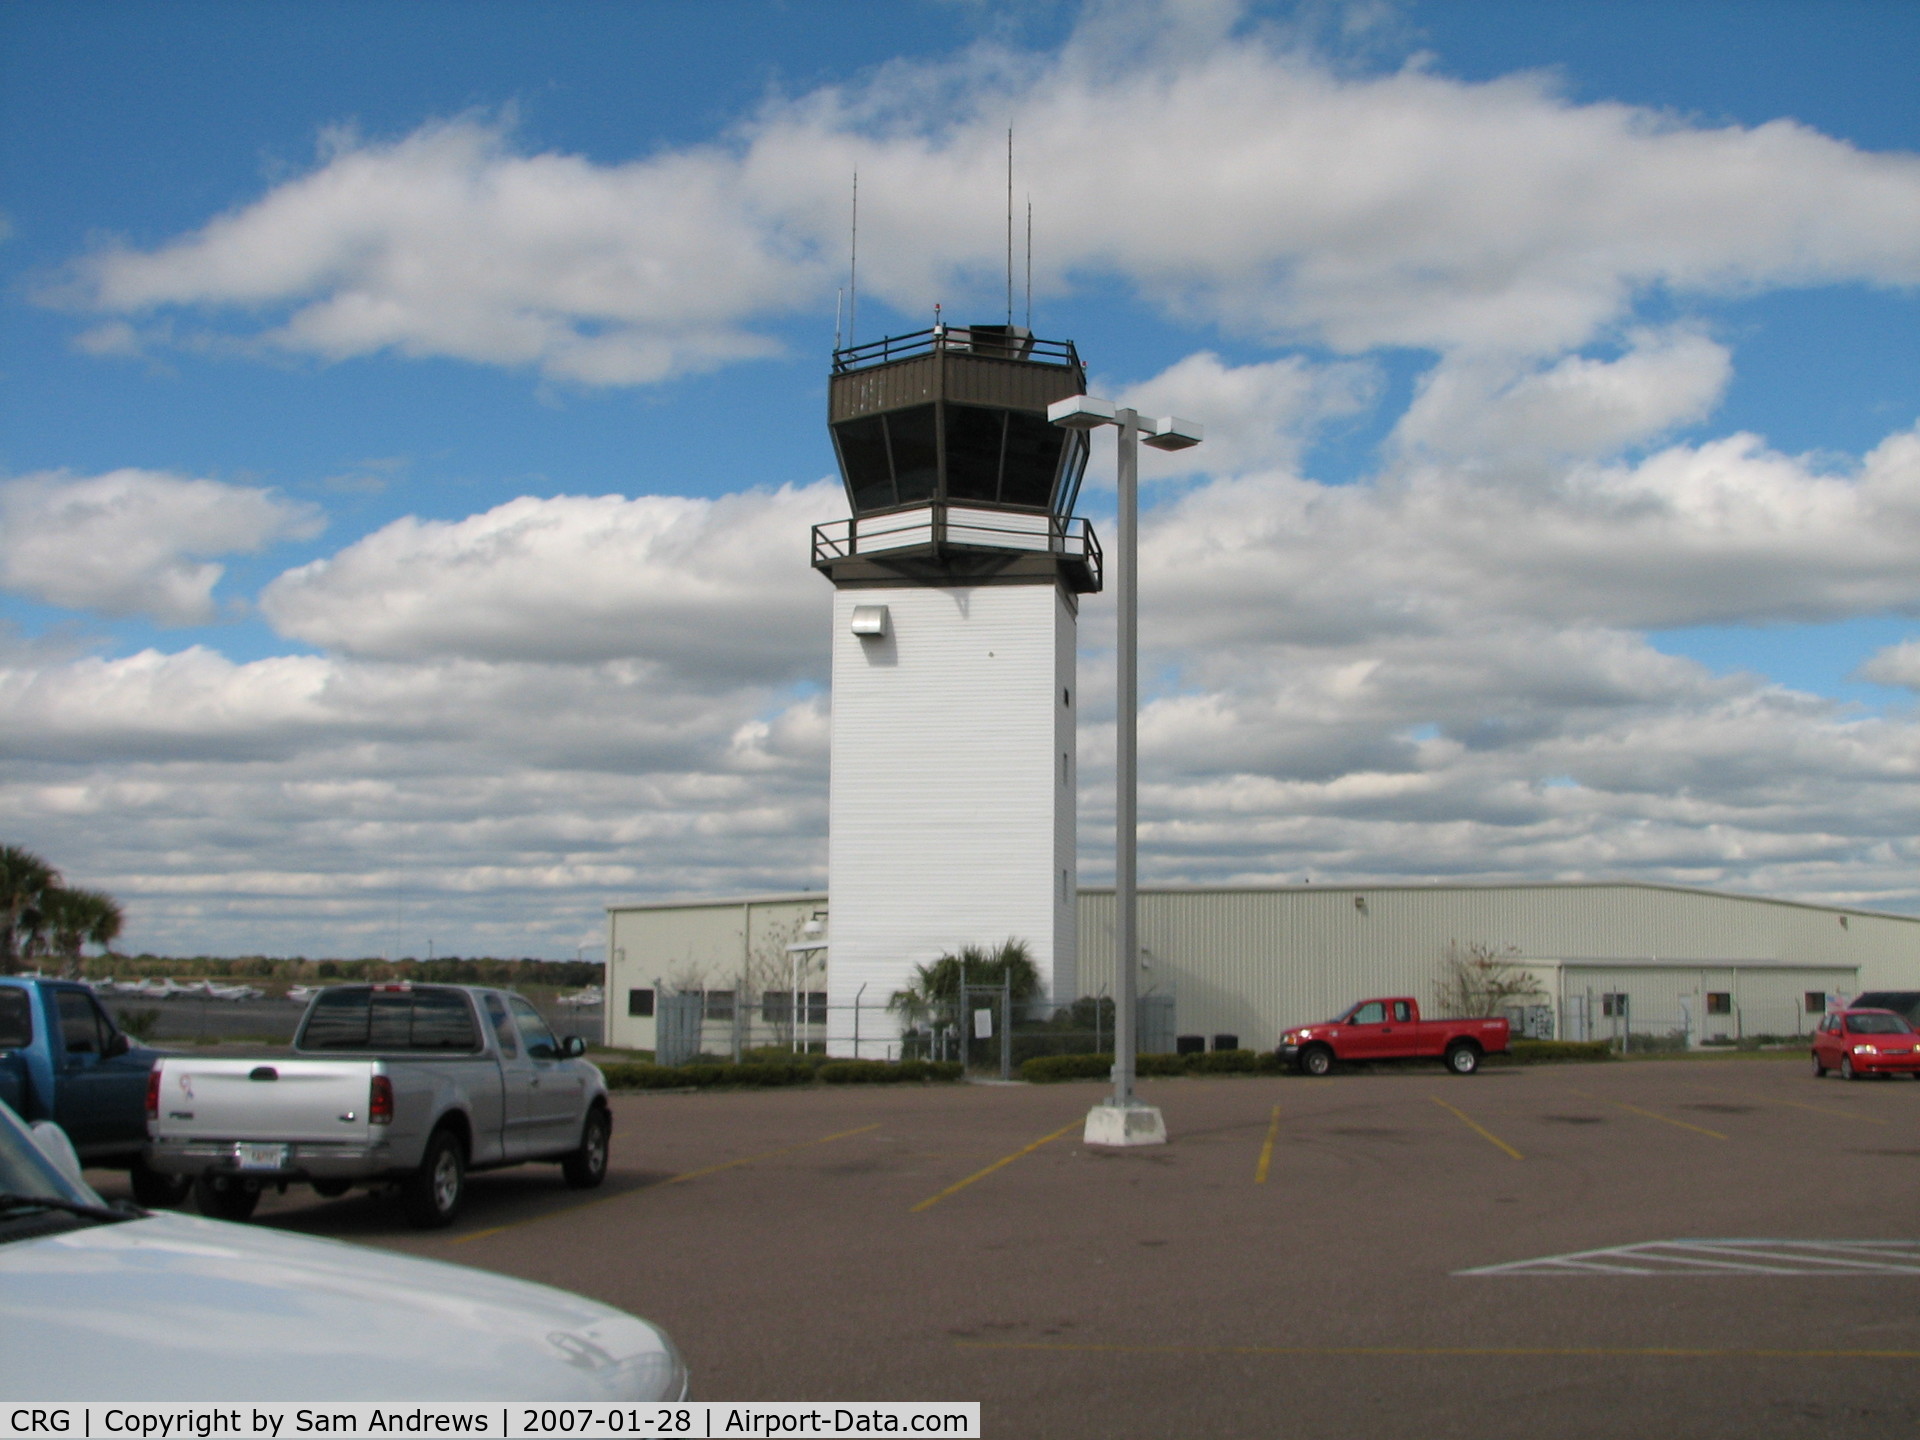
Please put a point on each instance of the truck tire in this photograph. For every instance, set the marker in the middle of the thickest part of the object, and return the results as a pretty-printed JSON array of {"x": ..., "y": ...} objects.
[
  {"x": 153, "y": 1190},
  {"x": 587, "y": 1167},
  {"x": 1316, "y": 1060},
  {"x": 226, "y": 1197},
  {"x": 1463, "y": 1057},
  {"x": 432, "y": 1194},
  {"x": 331, "y": 1189}
]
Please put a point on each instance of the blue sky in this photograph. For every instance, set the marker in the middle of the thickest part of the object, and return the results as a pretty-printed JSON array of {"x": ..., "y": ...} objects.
[{"x": 1543, "y": 382}]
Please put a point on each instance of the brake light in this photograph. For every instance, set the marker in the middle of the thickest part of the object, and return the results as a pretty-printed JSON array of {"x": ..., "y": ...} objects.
[
  {"x": 380, "y": 1102},
  {"x": 153, "y": 1093}
]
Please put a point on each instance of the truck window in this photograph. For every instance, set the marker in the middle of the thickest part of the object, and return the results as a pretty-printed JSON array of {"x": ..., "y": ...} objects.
[
  {"x": 358, "y": 1017},
  {"x": 1374, "y": 1012},
  {"x": 16, "y": 1018},
  {"x": 442, "y": 1020},
  {"x": 1402, "y": 1011},
  {"x": 80, "y": 1023},
  {"x": 502, "y": 1027},
  {"x": 533, "y": 1030}
]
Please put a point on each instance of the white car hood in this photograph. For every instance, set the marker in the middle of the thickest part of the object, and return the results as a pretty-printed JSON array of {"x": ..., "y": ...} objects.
[{"x": 173, "y": 1307}]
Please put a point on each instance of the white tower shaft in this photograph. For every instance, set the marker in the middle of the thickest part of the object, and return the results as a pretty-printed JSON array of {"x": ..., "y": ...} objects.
[{"x": 954, "y": 774}]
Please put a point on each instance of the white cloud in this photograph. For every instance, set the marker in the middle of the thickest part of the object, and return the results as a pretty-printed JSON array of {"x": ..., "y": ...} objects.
[
  {"x": 1485, "y": 412},
  {"x": 135, "y": 542},
  {"x": 1259, "y": 416},
  {"x": 711, "y": 588},
  {"x": 1725, "y": 532},
  {"x": 1263, "y": 190},
  {"x": 1895, "y": 665}
]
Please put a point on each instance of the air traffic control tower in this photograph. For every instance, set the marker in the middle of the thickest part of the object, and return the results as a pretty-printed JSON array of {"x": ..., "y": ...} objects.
[{"x": 956, "y": 601}]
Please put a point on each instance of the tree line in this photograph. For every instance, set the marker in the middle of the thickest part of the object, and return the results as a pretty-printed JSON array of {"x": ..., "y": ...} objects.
[{"x": 47, "y": 919}]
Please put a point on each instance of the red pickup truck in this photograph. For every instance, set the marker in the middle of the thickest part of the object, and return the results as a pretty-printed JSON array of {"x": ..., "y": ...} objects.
[{"x": 1391, "y": 1029}]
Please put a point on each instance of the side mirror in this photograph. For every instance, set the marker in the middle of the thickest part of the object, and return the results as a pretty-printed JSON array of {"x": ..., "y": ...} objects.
[
  {"x": 118, "y": 1045},
  {"x": 573, "y": 1047}
]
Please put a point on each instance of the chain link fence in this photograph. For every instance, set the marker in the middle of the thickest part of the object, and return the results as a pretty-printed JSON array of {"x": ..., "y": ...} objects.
[{"x": 985, "y": 1028}]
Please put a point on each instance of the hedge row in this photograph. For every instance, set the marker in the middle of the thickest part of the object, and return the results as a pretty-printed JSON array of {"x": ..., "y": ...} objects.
[
  {"x": 707, "y": 1075},
  {"x": 1537, "y": 1052},
  {"x": 1049, "y": 1068}
]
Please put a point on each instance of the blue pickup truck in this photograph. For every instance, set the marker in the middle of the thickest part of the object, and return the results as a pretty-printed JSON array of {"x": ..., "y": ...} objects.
[{"x": 63, "y": 1059}]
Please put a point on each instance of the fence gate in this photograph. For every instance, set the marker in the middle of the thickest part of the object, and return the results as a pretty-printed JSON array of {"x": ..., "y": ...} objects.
[{"x": 676, "y": 1027}]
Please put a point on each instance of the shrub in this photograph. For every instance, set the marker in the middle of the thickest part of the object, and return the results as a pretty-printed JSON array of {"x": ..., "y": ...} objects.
[
  {"x": 1229, "y": 1062},
  {"x": 757, "y": 1074},
  {"x": 883, "y": 1072},
  {"x": 1535, "y": 1052},
  {"x": 1048, "y": 1069}
]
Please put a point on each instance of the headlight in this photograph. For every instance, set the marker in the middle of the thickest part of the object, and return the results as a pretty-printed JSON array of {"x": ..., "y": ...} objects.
[{"x": 1866, "y": 1049}]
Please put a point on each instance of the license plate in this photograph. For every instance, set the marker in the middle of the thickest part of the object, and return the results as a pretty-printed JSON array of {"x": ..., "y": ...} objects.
[{"x": 262, "y": 1157}]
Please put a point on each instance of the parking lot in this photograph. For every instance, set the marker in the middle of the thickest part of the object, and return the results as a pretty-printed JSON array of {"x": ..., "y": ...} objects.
[{"x": 1297, "y": 1261}]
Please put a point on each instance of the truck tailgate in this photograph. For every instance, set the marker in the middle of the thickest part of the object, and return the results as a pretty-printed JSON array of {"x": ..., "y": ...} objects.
[{"x": 289, "y": 1100}]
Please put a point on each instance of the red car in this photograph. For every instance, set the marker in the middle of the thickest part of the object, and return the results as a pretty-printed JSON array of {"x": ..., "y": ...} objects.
[{"x": 1865, "y": 1042}]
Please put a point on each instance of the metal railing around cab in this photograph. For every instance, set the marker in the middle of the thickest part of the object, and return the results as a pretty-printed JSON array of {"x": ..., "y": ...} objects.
[
  {"x": 996, "y": 343},
  {"x": 958, "y": 527}
]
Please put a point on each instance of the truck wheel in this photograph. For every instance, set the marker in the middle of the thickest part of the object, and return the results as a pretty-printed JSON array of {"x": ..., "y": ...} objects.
[
  {"x": 432, "y": 1193},
  {"x": 154, "y": 1190},
  {"x": 587, "y": 1167},
  {"x": 331, "y": 1189},
  {"x": 226, "y": 1197},
  {"x": 1316, "y": 1060},
  {"x": 1463, "y": 1059}
]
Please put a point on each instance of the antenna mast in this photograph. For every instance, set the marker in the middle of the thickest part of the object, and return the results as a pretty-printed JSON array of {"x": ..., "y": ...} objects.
[
  {"x": 1029, "y": 264},
  {"x": 1009, "y": 227},
  {"x": 853, "y": 263}
]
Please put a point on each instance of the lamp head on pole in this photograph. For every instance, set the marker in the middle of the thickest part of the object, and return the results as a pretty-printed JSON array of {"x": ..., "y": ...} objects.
[{"x": 1086, "y": 412}]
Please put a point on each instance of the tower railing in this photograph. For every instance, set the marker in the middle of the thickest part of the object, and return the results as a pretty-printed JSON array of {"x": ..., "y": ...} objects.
[
  {"x": 941, "y": 525},
  {"x": 998, "y": 342}
]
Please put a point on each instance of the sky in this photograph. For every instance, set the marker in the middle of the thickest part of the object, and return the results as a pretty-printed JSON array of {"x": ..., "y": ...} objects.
[{"x": 412, "y": 415}]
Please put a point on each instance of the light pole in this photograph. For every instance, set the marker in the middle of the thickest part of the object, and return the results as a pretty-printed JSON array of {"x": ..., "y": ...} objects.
[{"x": 1124, "y": 1120}]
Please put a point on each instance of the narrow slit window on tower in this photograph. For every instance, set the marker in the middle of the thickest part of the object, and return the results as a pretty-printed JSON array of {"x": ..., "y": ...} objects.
[
  {"x": 863, "y": 456},
  {"x": 916, "y": 453},
  {"x": 975, "y": 438},
  {"x": 1032, "y": 462}
]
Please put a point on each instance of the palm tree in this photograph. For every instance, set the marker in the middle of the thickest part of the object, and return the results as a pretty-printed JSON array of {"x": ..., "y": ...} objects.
[
  {"x": 68, "y": 919},
  {"x": 936, "y": 986},
  {"x": 24, "y": 878}
]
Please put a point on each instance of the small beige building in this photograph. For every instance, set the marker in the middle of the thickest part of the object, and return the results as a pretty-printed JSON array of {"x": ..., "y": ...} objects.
[{"x": 1682, "y": 965}]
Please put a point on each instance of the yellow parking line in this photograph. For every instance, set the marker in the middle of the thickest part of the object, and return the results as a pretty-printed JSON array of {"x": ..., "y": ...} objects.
[
  {"x": 1004, "y": 1160},
  {"x": 1492, "y": 1352},
  {"x": 670, "y": 1180},
  {"x": 1266, "y": 1150},
  {"x": 768, "y": 1154},
  {"x": 1476, "y": 1127},
  {"x": 1800, "y": 1105},
  {"x": 1655, "y": 1115}
]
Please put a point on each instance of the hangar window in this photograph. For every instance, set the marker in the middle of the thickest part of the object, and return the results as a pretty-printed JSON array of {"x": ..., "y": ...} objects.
[
  {"x": 1719, "y": 1002},
  {"x": 719, "y": 1005},
  {"x": 1814, "y": 1002},
  {"x": 640, "y": 1002},
  {"x": 776, "y": 1007},
  {"x": 1613, "y": 1003}
]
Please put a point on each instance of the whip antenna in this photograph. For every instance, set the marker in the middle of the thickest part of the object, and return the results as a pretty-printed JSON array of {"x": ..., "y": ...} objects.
[{"x": 853, "y": 264}]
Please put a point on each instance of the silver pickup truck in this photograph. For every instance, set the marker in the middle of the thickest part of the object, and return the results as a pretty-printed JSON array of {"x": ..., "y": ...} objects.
[{"x": 388, "y": 1084}]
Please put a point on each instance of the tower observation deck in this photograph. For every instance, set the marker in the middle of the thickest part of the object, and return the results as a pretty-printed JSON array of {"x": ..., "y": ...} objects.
[{"x": 953, "y": 473}]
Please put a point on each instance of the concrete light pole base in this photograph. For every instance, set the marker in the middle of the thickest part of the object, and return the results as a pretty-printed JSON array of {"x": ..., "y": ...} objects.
[{"x": 1125, "y": 1125}]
